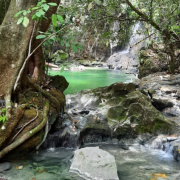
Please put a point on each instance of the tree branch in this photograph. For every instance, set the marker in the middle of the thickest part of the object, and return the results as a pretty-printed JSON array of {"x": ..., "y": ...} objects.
[{"x": 25, "y": 61}]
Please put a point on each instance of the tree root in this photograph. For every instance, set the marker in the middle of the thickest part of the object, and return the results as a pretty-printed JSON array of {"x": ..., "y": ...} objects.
[
  {"x": 24, "y": 126},
  {"x": 45, "y": 135},
  {"x": 11, "y": 123},
  {"x": 27, "y": 135},
  {"x": 53, "y": 100}
]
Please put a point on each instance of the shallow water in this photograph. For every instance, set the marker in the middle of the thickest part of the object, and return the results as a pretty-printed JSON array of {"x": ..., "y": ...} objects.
[
  {"x": 92, "y": 78},
  {"x": 137, "y": 163}
]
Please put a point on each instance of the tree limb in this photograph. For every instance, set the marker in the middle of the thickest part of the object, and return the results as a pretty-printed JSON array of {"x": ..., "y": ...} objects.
[{"x": 27, "y": 58}]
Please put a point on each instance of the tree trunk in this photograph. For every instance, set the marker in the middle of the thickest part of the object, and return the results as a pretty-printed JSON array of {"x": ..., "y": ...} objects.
[{"x": 14, "y": 47}]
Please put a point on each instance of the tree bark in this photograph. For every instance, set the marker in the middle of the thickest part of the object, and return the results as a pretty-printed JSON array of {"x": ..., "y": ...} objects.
[{"x": 14, "y": 44}]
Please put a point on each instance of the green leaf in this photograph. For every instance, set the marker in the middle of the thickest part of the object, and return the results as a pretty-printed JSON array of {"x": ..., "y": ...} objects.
[
  {"x": 67, "y": 44},
  {"x": 45, "y": 17},
  {"x": 67, "y": 67},
  {"x": 52, "y": 4},
  {"x": 74, "y": 48},
  {"x": 62, "y": 69},
  {"x": 62, "y": 43},
  {"x": 80, "y": 47},
  {"x": 20, "y": 20},
  {"x": 17, "y": 14},
  {"x": 34, "y": 8},
  {"x": 54, "y": 20},
  {"x": 45, "y": 7},
  {"x": 34, "y": 17},
  {"x": 3, "y": 110},
  {"x": 25, "y": 22},
  {"x": 41, "y": 12},
  {"x": 24, "y": 13},
  {"x": 41, "y": 36},
  {"x": 60, "y": 18}
]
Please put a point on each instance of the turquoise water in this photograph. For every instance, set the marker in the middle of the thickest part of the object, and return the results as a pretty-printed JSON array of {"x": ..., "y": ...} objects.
[{"x": 91, "y": 78}]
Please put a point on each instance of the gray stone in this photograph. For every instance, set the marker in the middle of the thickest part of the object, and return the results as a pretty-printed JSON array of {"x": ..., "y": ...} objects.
[
  {"x": 92, "y": 163},
  {"x": 5, "y": 166}
]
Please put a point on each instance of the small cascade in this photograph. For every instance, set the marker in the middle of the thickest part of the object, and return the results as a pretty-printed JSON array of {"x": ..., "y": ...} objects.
[{"x": 126, "y": 59}]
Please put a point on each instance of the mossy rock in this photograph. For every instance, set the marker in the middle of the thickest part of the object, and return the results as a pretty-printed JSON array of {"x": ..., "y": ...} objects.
[
  {"x": 122, "y": 89},
  {"x": 117, "y": 113},
  {"x": 59, "y": 82},
  {"x": 151, "y": 62}
]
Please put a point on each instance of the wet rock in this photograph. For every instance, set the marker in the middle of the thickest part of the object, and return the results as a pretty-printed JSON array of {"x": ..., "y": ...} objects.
[
  {"x": 5, "y": 166},
  {"x": 162, "y": 102},
  {"x": 97, "y": 121},
  {"x": 94, "y": 163},
  {"x": 158, "y": 142},
  {"x": 66, "y": 137},
  {"x": 171, "y": 112}
]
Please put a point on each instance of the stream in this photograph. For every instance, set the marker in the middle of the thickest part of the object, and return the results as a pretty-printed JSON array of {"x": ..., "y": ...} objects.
[{"x": 135, "y": 163}]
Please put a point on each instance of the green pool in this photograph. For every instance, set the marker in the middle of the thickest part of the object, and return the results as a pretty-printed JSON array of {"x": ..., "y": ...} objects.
[{"x": 91, "y": 78}]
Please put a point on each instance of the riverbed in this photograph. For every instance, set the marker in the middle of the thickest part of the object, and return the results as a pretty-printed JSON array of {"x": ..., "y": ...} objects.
[{"x": 135, "y": 163}]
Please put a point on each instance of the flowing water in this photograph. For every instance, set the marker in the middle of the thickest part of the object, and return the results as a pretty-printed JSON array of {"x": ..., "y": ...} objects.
[
  {"x": 91, "y": 78},
  {"x": 136, "y": 163}
]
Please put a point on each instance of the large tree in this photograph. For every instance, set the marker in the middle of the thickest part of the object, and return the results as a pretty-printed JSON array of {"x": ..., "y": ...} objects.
[{"x": 16, "y": 76}]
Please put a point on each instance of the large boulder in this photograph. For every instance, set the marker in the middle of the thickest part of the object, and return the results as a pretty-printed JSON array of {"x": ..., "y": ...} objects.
[
  {"x": 93, "y": 163},
  {"x": 118, "y": 110}
]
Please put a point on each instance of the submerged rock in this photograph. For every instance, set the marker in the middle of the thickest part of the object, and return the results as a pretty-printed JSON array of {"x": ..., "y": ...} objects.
[
  {"x": 4, "y": 166},
  {"x": 93, "y": 163}
]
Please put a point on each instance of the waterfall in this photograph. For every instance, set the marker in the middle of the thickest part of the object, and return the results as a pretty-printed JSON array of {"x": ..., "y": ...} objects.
[
  {"x": 114, "y": 41},
  {"x": 126, "y": 59}
]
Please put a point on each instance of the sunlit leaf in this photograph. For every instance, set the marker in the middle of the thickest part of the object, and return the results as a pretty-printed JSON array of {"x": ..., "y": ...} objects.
[
  {"x": 20, "y": 20},
  {"x": 25, "y": 22},
  {"x": 52, "y": 4},
  {"x": 17, "y": 14},
  {"x": 62, "y": 69},
  {"x": 90, "y": 6},
  {"x": 54, "y": 20},
  {"x": 60, "y": 18},
  {"x": 41, "y": 36},
  {"x": 45, "y": 7}
]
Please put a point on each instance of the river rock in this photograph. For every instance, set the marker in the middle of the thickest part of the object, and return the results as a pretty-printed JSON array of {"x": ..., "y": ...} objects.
[
  {"x": 93, "y": 163},
  {"x": 5, "y": 166}
]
